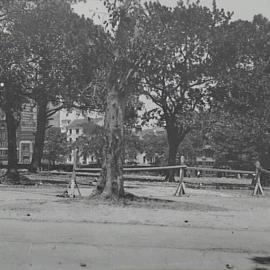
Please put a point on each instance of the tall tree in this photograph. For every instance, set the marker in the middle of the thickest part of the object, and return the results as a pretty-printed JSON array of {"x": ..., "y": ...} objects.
[
  {"x": 91, "y": 142},
  {"x": 56, "y": 146},
  {"x": 179, "y": 72},
  {"x": 124, "y": 60},
  {"x": 62, "y": 64},
  {"x": 13, "y": 65},
  {"x": 243, "y": 89}
]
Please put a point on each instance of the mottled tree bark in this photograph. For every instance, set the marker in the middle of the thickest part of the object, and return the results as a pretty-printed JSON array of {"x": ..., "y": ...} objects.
[
  {"x": 111, "y": 180},
  {"x": 111, "y": 184}
]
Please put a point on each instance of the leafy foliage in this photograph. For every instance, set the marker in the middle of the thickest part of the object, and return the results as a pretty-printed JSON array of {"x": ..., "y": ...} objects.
[
  {"x": 178, "y": 73},
  {"x": 133, "y": 146},
  {"x": 243, "y": 129},
  {"x": 91, "y": 142},
  {"x": 56, "y": 146},
  {"x": 180, "y": 70}
]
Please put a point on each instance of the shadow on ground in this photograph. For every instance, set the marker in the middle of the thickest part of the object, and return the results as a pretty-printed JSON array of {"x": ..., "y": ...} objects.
[{"x": 264, "y": 261}]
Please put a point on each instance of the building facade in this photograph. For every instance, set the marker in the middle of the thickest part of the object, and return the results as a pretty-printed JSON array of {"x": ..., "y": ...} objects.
[
  {"x": 25, "y": 135},
  {"x": 64, "y": 117},
  {"x": 76, "y": 129}
]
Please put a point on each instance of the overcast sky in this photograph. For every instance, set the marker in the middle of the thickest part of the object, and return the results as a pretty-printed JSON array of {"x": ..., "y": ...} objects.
[{"x": 243, "y": 9}]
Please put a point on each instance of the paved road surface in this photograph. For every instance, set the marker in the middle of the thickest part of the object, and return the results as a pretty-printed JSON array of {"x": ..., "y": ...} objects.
[{"x": 84, "y": 245}]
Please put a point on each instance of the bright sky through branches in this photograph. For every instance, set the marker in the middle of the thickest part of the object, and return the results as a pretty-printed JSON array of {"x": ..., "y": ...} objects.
[{"x": 243, "y": 9}]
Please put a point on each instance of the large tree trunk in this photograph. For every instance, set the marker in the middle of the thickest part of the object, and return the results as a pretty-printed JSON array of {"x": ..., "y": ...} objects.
[
  {"x": 173, "y": 147},
  {"x": 111, "y": 180},
  {"x": 175, "y": 137},
  {"x": 39, "y": 135},
  {"x": 12, "y": 172}
]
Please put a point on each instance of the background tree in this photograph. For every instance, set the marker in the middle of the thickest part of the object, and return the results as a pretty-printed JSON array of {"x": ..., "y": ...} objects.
[
  {"x": 155, "y": 146},
  {"x": 133, "y": 146},
  {"x": 44, "y": 45},
  {"x": 13, "y": 65},
  {"x": 91, "y": 142},
  {"x": 179, "y": 72},
  {"x": 243, "y": 89},
  {"x": 56, "y": 146},
  {"x": 62, "y": 64}
]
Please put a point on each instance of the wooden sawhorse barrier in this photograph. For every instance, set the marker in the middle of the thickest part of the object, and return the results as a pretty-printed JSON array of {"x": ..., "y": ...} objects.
[
  {"x": 258, "y": 190},
  {"x": 181, "y": 188},
  {"x": 73, "y": 183}
]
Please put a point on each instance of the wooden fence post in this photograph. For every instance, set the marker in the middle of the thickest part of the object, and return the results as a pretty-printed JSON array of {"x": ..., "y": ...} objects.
[
  {"x": 258, "y": 190},
  {"x": 73, "y": 182},
  {"x": 181, "y": 188}
]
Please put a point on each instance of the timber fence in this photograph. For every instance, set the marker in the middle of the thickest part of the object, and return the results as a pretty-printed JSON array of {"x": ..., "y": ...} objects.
[{"x": 131, "y": 174}]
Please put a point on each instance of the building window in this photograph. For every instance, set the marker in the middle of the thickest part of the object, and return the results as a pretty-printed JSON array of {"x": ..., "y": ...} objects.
[
  {"x": 70, "y": 131},
  {"x": 144, "y": 159},
  {"x": 70, "y": 139},
  {"x": 77, "y": 131}
]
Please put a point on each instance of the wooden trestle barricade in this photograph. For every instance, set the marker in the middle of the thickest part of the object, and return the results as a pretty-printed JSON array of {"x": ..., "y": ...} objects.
[
  {"x": 181, "y": 188},
  {"x": 73, "y": 183},
  {"x": 258, "y": 190}
]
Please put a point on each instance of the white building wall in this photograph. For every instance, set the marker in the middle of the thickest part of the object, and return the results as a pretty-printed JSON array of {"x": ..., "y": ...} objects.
[
  {"x": 74, "y": 133},
  {"x": 66, "y": 117}
]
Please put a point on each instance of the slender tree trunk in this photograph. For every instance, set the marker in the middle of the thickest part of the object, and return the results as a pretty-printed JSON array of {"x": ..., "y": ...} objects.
[
  {"x": 40, "y": 135},
  {"x": 111, "y": 180},
  {"x": 12, "y": 172}
]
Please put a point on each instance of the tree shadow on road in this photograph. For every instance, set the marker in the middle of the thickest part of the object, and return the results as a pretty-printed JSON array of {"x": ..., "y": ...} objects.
[{"x": 262, "y": 261}]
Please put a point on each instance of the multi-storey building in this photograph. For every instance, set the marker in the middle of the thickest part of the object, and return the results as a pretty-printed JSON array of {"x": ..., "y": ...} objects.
[
  {"x": 25, "y": 135},
  {"x": 64, "y": 117},
  {"x": 3, "y": 138},
  {"x": 76, "y": 129}
]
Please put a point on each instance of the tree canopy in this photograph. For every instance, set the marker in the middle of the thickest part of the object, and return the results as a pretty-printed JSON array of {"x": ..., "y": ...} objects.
[
  {"x": 179, "y": 71},
  {"x": 243, "y": 92}
]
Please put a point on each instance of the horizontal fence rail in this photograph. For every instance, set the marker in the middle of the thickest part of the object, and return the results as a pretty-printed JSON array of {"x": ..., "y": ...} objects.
[
  {"x": 95, "y": 172},
  {"x": 90, "y": 171},
  {"x": 181, "y": 190},
  {"x": 264, "y": 171},
  {"x": 220, "y": 170},
  {"x": 135, "y": 169},
  {"x": 85, "y": 170}
]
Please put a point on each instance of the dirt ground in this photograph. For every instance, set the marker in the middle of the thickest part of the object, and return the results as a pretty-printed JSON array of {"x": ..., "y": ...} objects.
[{"x": 206, "y": 229}]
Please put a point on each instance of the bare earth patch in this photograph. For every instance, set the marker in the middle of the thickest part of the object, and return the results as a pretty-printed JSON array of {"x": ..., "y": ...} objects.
[{"x": 207, "y": 229}]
